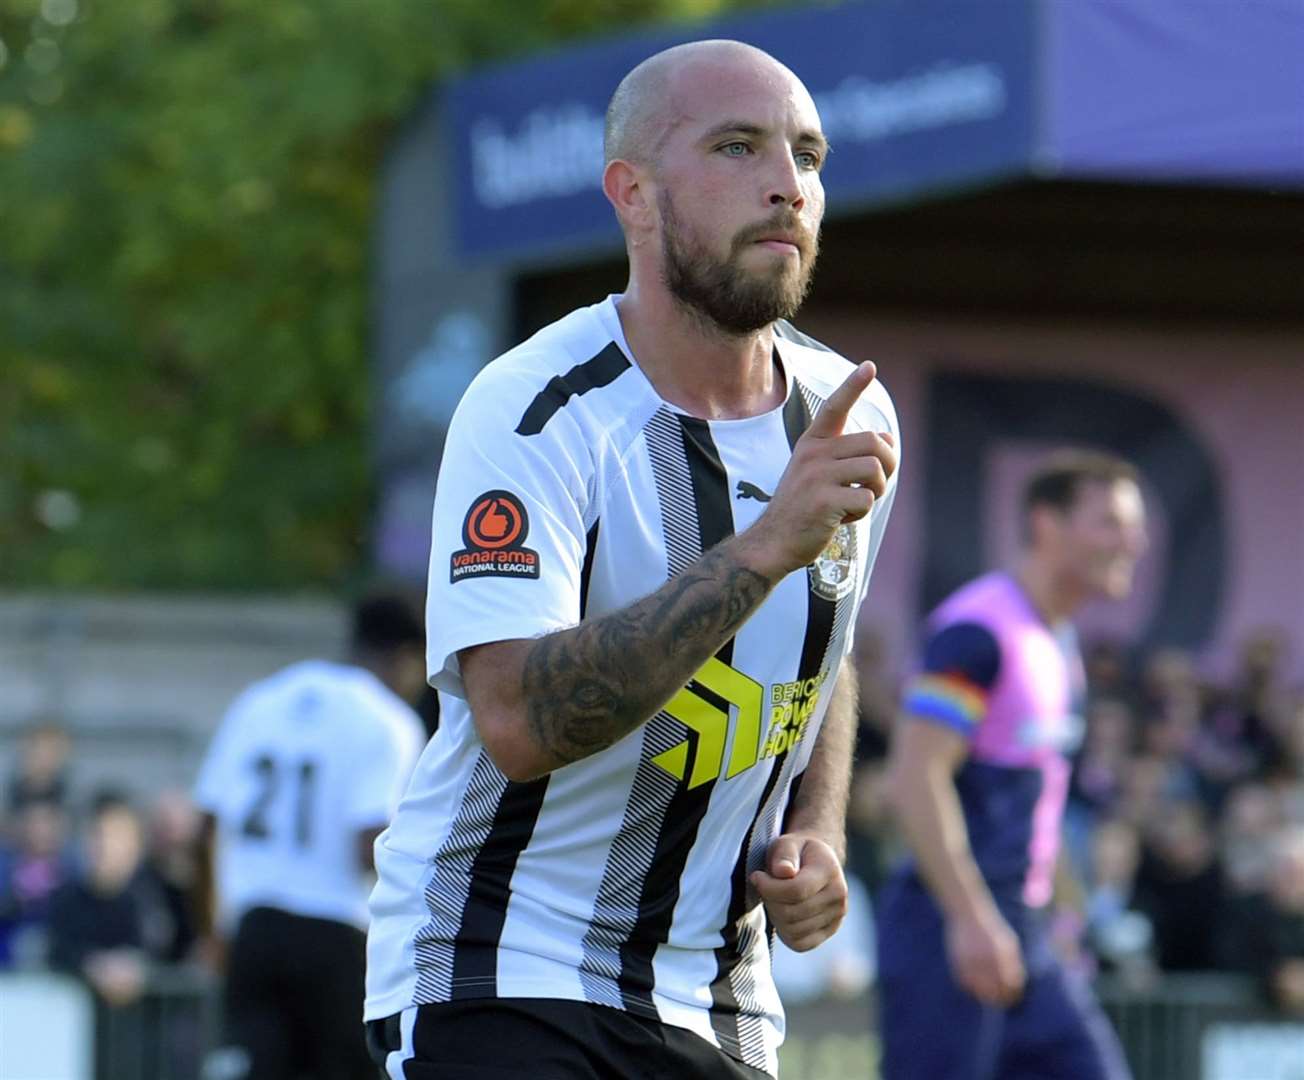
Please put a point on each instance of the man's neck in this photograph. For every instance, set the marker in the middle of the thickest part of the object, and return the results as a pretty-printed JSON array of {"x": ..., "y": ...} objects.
[
  {"x": 694, "y": 364},
  {"x": 1054, "y": 599}
]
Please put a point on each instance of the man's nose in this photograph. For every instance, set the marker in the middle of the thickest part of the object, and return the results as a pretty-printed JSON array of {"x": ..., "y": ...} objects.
[{"x": 785, "y": 183}]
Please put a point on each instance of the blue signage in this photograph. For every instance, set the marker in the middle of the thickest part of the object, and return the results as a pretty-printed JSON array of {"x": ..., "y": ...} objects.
[{"x": 913, "y": 97}]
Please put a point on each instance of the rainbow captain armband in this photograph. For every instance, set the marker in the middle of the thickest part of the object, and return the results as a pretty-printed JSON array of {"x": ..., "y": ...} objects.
[{"x": 947, "y": 698}]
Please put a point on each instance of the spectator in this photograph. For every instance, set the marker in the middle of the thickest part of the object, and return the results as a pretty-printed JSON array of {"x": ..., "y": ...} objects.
[
  {"x": 1259, "y": 692},
  {"x": 1284, "y": 767},
  {"x": 1182, "y": 728},
  {"x": 1180, "y": 887},
  {"x": 1247, "y": 830},
  {"x": 1106, "y": 666},
  {"x": 32, "y": 867},
  {"x": 1099, "y": 776},
  {"x": 1169, "y": 735},
  {"x": 41, "y": 771},
  {"x": 1149, "y": 783},
  {"x": 1119, "y": 936},
  {"x": 97, "y": 920},
  {"x": 1276, "y": 935},
  {"x": 1100, "y": 770},
  {"x": 1248, "y": 717},
  {"x": 171, "y": 871},
  {"x": 1169, "y": 677}
]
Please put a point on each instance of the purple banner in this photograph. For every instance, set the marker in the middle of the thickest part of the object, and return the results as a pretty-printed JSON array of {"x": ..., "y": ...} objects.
[{"x": 1174, "y": 90}]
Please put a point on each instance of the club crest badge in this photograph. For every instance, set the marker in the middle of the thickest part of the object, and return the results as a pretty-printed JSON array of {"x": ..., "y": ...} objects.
[{"x": 833, "y": 573}]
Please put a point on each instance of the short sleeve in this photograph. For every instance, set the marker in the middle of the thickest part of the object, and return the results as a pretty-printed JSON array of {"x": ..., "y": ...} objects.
[
  {"x": 961, "y": 664},
  {"x": 215, "y": 772},
  {"x": 508, "y": 533},
  {"x": 384, "y": 765}
]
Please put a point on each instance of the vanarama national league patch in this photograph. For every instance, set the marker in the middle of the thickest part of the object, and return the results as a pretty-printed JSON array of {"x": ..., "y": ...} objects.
[{"x": 494, "y": 533}]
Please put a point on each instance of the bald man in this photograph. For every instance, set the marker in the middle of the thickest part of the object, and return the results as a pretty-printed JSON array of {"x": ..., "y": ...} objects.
[{"x": 654, "y": 525}]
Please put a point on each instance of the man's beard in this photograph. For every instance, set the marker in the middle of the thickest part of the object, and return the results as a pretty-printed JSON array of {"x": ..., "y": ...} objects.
[{"x": 736, "y": 300}]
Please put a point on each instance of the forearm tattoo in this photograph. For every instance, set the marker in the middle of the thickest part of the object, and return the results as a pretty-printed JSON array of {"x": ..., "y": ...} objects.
[{"x": 587, "y": 687}]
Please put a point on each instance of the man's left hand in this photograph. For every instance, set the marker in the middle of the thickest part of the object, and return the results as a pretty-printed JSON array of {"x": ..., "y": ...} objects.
[{"x": 804, "y": 891}]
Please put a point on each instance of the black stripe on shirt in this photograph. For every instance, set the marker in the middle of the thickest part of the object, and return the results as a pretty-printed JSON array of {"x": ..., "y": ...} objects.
[
  {"x": 797, "y": 413},
  {"x": 688, "y": 807},
  {"x": 586, "y": 571},
  {"x": 599, "y": 371},
  {"x": 820, "y": 611},
  {"x": 475, "y": 956},
  {"x": 728, "y": 955},
  {"x": 710, "y": 487},
  {"x": 822, "y": 620}
]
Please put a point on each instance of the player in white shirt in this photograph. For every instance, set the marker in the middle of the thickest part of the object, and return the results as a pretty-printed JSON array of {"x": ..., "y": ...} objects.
[
  {"x": 307, "y": 767},
  {"x": 654, "y": 525}
]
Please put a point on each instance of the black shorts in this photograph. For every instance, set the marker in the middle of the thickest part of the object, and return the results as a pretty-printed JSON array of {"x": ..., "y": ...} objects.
[
  {"x": 542, "y": 1039},
  {"x": 292, "y": 1001}
]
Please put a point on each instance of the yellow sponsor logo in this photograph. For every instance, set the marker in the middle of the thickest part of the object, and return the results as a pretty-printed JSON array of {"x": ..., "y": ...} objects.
[
  {"x": 720, "y": 699},
  {"x": 792, "y": 704},
  {"x": 700, "y": 713}
]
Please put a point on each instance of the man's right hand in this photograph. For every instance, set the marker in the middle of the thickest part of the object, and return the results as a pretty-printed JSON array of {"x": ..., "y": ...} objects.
[
  {"x": 832, "y": 479},
  {"x": 985, "y": 957}
]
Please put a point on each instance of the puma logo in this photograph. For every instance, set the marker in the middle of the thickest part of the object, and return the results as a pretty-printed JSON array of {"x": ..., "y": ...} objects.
[{"x": 751, "y": 491}]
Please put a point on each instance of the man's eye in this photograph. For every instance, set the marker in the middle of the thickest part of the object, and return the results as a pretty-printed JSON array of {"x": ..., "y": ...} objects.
[
  {"x": 807, "y": 159},
  {"x": 735, "y": 149}
]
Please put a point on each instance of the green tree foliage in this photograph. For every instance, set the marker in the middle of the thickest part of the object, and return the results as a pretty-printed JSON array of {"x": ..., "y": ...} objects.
[{"x": 186, "y": 196}]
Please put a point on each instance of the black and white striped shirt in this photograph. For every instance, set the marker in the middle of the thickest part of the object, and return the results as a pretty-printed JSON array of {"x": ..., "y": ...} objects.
[{"x": 568, "y": 489}]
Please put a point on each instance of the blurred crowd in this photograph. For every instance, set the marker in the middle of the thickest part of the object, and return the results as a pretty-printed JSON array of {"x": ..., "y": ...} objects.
[
  {"x": 94, "y": 884},
  {"x": 1184, "y": 832}
]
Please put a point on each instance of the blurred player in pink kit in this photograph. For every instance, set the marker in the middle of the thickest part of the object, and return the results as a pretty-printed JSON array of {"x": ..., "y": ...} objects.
[{"x": 970, "y": 987}]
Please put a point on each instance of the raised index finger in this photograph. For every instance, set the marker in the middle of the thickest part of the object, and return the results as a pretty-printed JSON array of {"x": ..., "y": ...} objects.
[{"x": 830, "y": 420}]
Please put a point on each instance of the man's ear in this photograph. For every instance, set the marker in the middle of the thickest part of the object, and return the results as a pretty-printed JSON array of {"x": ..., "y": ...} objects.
[
  {"x": 1042, "y": 525},
  {"x": 628, "y": 192}
]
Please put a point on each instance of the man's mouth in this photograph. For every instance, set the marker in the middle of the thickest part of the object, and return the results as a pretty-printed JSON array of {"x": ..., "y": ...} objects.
[{"x": 780, "y": 245}]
